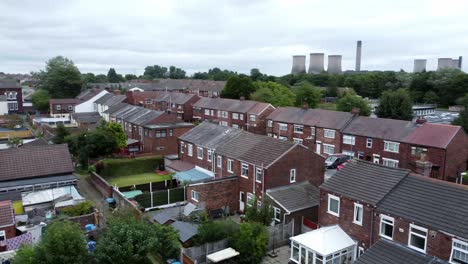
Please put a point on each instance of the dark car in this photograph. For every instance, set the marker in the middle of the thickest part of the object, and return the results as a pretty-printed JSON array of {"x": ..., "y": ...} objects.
[{"x": 336, "y": 159}]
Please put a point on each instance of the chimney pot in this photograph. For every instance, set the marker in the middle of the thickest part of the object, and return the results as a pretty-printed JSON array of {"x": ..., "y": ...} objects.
[
  {"x": 355, "y": 111},
  {"x": 305, "y": 106},
  {"x": 242, "y": 98}
]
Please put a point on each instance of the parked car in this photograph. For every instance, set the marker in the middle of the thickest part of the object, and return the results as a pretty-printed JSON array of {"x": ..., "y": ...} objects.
[
  {"x": 336, "y": 159},
  {"x": 342, "y": 165}
]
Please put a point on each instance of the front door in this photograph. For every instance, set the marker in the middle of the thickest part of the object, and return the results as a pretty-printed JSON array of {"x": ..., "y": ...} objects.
[
  {"x": 241, "y": 201},
  {"x": 318, "y": 147}
]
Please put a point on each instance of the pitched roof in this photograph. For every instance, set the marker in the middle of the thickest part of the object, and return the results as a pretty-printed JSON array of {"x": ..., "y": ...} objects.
[
  {"x": 181, "y": 84},
  {"x": 7, "y": 217},
  {"x": 86, "y": 117},
  {"x": 32, "y": 162},
  {"x": 382, "y": 128},
  {"x": 186, "y": 230},
  {"x": 65, "y": 101},
  {"x": 174, "y": 97},
  {"x": 259, "y": 107},
  {"x": 295, "y": 197},
  {"x": 433, "y": 135},
  {"x": 311, "y": 117},
  {"x": 437, "y": 204},
  {"x": 388, "y": 252},
  {"x": 137, "y": 97},
  {"x": 116, "y": 107},
  {"x": 209, "y": 135},
  {"x": 144, "y": 116},
  {"x": 36, "y": 142},
  {"x": 87, "y": 94},
  {"x": 232, "y": 105},
  {"x": 365, "y": 181},
  {"x": 110, "y": 99},
  {"x": 9, "y": 83}
]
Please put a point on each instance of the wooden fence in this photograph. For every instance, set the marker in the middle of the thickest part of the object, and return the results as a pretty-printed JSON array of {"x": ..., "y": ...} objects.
[{"x": 197, "y": 255}]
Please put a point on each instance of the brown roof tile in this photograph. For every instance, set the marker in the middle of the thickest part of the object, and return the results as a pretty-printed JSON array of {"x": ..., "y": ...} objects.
[
  {"x": 7, "y": 217},
  {"x": 433, "y": 135},
  {"x": 65, "y": 101}
]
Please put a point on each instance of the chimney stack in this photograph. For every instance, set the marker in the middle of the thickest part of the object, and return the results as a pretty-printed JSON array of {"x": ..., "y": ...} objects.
[
  {"x": 358, "y": 55},
  {"x": 421, "y": 120},
  {"x": 355, "y": 111},
  {"x": 460, "y": 59}
]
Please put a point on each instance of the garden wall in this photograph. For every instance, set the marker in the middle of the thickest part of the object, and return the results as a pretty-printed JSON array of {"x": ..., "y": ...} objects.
[
  {"x": 83, "y": 220},
  {"x": 101, "y": 185},
  {"x": 153, "y": 187},
  {"x": 128, "y": 166}
]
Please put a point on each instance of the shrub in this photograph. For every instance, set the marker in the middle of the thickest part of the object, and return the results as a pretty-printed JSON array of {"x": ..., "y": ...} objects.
[
  {"x": 124, "y": 167},
  {"x": 216, "y": 230},
  {"x": 79, "y": 209},
  {"x": 251, "y": 241}
]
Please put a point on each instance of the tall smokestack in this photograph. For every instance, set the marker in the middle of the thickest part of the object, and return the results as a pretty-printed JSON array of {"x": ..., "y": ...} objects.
[
  {"x": 460, "y": 59},
  {"x": 444, "y": 63},
  {"x": 358, "y": 55},
  {"x": 419, "y": 65},
  {"x": 316, "y": 63},
  {"x": 334, "y": 63},
  {"x": 298, "y": 64}
]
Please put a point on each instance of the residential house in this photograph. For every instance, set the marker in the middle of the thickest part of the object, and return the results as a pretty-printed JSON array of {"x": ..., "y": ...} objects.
[
  {"x": 14, "y": 96},
  {"x": 316, "y": 128},
  {"x": 3, "y": 105},
  {"x": 161, "y": 138},
  {"x": 62, "y": 107},
  {"x": 7, "y": 221},
  {"x": 105, "y": 102},
  {"x": 260, "y": 162},
  {"x": 82, "y": 103},
  {"x": 86, "y": 120},
  {"x": 204, "y": 88},
  {"x": 87, "y": 99},
  {"x": 437, "y": 150},
  {"x": 243, "y": 114},
  {"x": 106, "y": 114}
]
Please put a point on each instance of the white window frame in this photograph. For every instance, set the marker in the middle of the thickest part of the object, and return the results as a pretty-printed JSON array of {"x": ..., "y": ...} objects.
[
  {"x": 223, "y": 123},
  {"x": 195, "y": 195},
  {"x": 235, "y": 116},
  {"x": 356, "y": 205},
  {"x": 386, "y": 162},
  {"x": 298, "y": 140},
  {"x": 182, "y": 145},
  {"x": 200, "y": 157},
  {"x": 283, "y": 126},
  {"x": 295, "y": 245},
  {"x": 464, "y": 251},
  {"x": 369, "y": 142},
  {"x": 230, "y": 165},
  {"x": 292, "y": 175},
  {"x": 298, "y": 129},
  {"x": 329, "y": 133},
  {"x": 190, "y": 150},
  {"x": 246, "y": 166},
  {"x": 241, "y": 116},
  {"x": 328, "y": 145},
  {"x": 410, "y": 232},
  {"x": 258, "y": 171},
  {"x": 276, "y": 214},
  {"x": 251, "y": 198},
  {"x": 312, "y": 131},
  {"x": 207, "y": 112},
  {"x": 349, "y": 140},
  {"x": 252, "y": 118},
  {"x": 209, "y": 155},
  {"x": 270, "y": 123},
  {"x": 3, "y": 234},
  {"x": 387, "y": 145},
  {"x": 389, "y": 219},
  {"x": 336, "y": 198},
  {"x": 219, "y": 161}
]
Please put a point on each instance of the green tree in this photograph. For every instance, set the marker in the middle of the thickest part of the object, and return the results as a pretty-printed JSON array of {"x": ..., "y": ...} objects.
[
  {"x": 117, "y": 132},
  {"x": 307, "y": 94},
  {"x": 40, "y": 99},
  {"x": 430, "y": 97},
  {"x": 156, "y": 71},
  {"x": 26, "y": 254},
  {"x": 395, "y": 105},
  {"x": 176, "y": 73},
  {"x": 273, "y": 93},
  {"x": 61, "y": 78},
  {"x": 61, "y": 132},
  {"x": 129, "y": 240},
  {"x": 101, "y": 78},
  {"x": 251, "y": 241},
  {"x": 211, "y": 231},
  {"x": 14, "y": 142},
  {"x": 88, "y": 78},
  {"x": 256, "y": 75},
  {"x": 113, "y": 77},
  {"x": 130, "y": 77},
  {"x": 237, "y": 87},
  {"x": 350, "y": 101},
  {"x": 260, "y": 214},
  {"x": 462, "y": 119}
]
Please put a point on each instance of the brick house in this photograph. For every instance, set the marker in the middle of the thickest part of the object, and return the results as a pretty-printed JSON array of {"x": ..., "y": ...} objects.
[
  {"x": 204, "y": 88},
  {"x": 179, "y": 104},
  {"x": 392, "y": 216},
  {"x": 260, "y": 162},
  {"x": 105, "y": 102},
  {"x": 243, "y": 114},
  {"x": 7, "y": 221},
  {"x": 315, "y": 128},
  {"x": 430, "y": 149},
  {"x": 14, "y": 95},
  {"x": 161, "y": 138},
  {"x": 62, "y": 107}
]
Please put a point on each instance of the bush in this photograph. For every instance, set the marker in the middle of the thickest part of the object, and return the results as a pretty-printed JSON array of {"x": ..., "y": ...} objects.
[
  {"x": 216, "y": 230},
  {"x": 251, "y": 241},
  {"x": 79, "y": 209},
  {"x": 124, "y": 167}
]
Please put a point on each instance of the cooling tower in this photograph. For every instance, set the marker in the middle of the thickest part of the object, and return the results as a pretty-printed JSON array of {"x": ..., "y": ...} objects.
[
  {"x": 455, "y": 64},
  {"x": 358, "y": 56},
  {"x": 316, "y": 63},
  {"x": 444, "y": 63},
  {"x": 334, "y": 63},
  {"x": 419, "y": 65},
  {"x": 298, "y": 64}
]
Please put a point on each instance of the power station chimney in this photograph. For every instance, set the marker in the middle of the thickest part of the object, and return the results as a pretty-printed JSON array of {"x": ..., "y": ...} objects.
[
  {"x": 334, "y": 63},
  {"x": 460, "y": 60},
  {"x": 316, "y": 63},
  {"x": 298, "y": 64},
  {"x": 358, "y": 55},
  {"x": 455, "y": 64},
  {"x": 444, "y": 63},
  {"x": 419, "y": 65}
]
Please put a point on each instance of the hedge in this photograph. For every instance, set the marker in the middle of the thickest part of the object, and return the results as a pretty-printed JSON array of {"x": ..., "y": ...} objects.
[{"x": 124, "y": 167}]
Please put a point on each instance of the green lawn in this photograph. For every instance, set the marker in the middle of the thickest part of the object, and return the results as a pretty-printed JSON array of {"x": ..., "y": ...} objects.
[{"x": 130, "y": 180}]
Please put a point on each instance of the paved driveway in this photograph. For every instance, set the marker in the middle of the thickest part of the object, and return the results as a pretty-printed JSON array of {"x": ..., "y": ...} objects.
[{"x": 282, "y": 258}]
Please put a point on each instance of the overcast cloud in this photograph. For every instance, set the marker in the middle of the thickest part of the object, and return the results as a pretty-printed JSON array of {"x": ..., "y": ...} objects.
[{"x": 236, "y": 35}]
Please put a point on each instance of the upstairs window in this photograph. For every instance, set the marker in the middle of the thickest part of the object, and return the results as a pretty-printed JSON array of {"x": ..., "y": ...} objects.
[
  {"x": 277, "y": 214},
  {"x": 312, "y": 131},
  {"x": 182, "y": 145},
  {"x": 417, "y": 238},
  {"x": 357, "y": 219},
  {"x": 200, "y": 153},
  {"x": 235, "y": 116},
  {"x": 459, "y": 251},
  {"x": 253, "y": 118},
  {"x": 417, "y": 151},
  {"x": 298, "y": 129},
  {"x": 258, "y": 174},
  {"x": 190, "y": 150},
  {"x": 333, "y": 205},
  {"x": 270, "y": 123},
  {"x": 207, "y": 112},
  {"x": 160, "y": 133},
  {"x": 292, "y": 175},
  {"x": 391, "y": 146},
  {"x": 209, "y": 157},
  {"x": 349, "y": 140},
  {"x": 241, "y": 116},
  {"x": 219, "y": 161},
  {"x": 2, "y": 235},
  {"x": 245, "y": 170},
  {"x": 329, "y": 133},
  {"x": 230, "y": 166},
  {"x": 369, "y": 143},
  {"x": 386, "y": 226},
  {"x": 283, "y": 126}
]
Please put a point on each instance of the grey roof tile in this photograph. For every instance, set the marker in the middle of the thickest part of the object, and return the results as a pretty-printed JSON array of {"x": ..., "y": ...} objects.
[
  {"x": 311, "y": 117},
  {"x": 383, "y": 128},
  {"x": 295, "y": 197},
  {"x": 186, "y": 230},
  {"x": 232, "y": 105},
  {"x": 209, "y": 135},
  {"x": 87, "y": 117},
  {"x": 365, "y": 181},
  {"x": 433, "y": 203}
]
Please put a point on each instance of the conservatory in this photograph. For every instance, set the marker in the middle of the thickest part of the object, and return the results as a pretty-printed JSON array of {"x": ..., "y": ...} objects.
[{"x": 327, "y": 245}]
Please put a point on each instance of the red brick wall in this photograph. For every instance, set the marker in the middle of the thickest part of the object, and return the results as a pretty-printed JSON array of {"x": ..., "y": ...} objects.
[
  {"x": 457, "y": 155},
  {"x": 216, "y": 194},
  {"x": 10, "y": 231},
  {"x": 101, "y": 185},
  {"x": 168, "y": 143},
  {"x": 63, "y": 109},
  {"x": 259, "y": 126},
  {"x": 19, "y": 96},
  {"x": 361, "y": 234}
]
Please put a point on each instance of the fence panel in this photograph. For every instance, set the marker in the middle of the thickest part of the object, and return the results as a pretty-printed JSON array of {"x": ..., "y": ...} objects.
[
  {"x": 279, "y": 235},
  {"x": 198, "y": 254}
]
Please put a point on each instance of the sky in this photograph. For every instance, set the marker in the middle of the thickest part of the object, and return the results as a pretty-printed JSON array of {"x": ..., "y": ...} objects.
[{"x": 237, "y": 35}]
